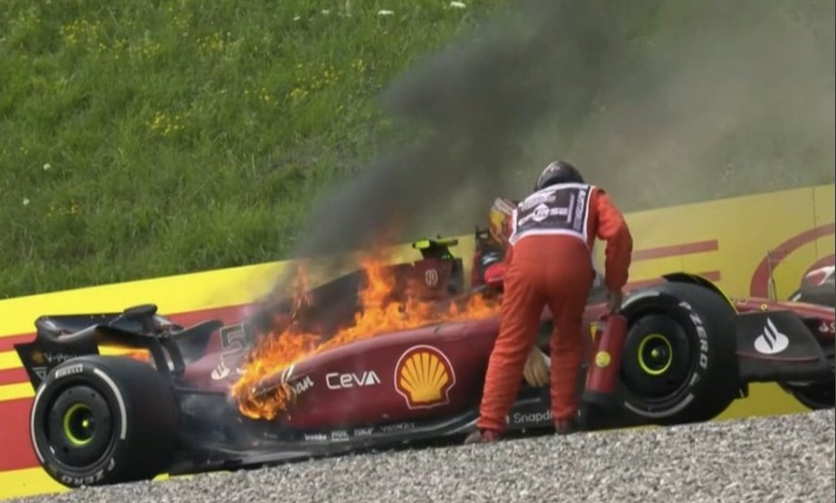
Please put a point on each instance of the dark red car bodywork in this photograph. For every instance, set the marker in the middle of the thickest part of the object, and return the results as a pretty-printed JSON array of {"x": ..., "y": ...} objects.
[{"x": 367, "y": 392}]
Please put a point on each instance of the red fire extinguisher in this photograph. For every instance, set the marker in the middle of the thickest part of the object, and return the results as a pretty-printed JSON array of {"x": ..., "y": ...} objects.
[{"x": 605, "y": 362}]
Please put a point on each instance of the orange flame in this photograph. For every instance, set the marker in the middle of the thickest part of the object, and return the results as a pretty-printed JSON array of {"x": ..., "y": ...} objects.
[{"x": 376, "y": 316}]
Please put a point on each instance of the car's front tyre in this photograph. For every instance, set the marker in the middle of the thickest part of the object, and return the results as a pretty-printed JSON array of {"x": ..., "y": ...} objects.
[{"x": 679, "y": 363}]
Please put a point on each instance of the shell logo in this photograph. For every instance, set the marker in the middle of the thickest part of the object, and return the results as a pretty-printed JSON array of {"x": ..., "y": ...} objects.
[{"x": 424, "y": 377}]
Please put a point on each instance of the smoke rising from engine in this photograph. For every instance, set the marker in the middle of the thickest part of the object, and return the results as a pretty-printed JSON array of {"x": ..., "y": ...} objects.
[
  {"x": 731, "y": 98},
  {"x": 476, "y": 105},
  {"x": 660, "y": 102}
]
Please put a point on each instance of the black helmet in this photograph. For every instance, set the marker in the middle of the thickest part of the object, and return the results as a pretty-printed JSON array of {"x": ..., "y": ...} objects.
[{"x": 558, "y": 172}]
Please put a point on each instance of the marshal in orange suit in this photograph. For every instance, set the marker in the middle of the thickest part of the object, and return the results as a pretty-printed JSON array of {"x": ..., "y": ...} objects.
[{"x": 549, "y": 264}]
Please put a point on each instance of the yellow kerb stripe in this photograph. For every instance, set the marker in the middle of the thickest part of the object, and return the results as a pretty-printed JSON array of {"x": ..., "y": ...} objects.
[
  {"x": 9, "y": 360},
  {"x": 16, "y": 391},
  {"x": 27, "y": 482}
]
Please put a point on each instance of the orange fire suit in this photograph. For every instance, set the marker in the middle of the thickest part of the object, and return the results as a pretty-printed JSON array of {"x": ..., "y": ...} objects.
[{"x": 549, "y": 264}]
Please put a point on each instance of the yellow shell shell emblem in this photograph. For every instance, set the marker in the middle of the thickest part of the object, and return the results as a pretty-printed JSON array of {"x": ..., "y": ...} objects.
[
  {"x": 602, "y": 359},
  {"x": 424, "y": 376}
]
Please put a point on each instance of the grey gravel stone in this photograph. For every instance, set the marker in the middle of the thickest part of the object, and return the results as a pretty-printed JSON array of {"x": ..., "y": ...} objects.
[{"x": 772, "y": 459}]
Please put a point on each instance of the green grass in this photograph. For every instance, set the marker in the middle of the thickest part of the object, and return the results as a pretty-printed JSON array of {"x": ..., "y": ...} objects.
[
  {"x": 143, "y": 138},
  {"x": 149, "y": 138}
]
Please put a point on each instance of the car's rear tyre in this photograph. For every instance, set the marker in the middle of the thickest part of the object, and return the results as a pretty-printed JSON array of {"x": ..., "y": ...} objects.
[
  {"x": 99, "y": 420},
  {"x": 679, "y": 363}
]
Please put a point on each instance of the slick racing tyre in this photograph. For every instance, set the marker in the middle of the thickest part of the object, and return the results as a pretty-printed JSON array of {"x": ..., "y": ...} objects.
[
  {"x": 679, "y": 363},
  {"x": 100, "y": 420}
]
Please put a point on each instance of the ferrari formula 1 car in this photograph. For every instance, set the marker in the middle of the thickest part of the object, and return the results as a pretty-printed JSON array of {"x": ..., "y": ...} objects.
[{"x": 689, "y": 352}]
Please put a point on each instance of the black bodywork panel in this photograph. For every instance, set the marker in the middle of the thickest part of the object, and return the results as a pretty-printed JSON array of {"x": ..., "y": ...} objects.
[
  {"x": 238, "y": 442},
  {"x": 779, "y": 346}
]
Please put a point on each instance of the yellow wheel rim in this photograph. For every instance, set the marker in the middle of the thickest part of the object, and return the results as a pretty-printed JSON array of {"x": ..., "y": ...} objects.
[
  {"x": 77, "y": 425},
  {"x": 662, "y": 345}
]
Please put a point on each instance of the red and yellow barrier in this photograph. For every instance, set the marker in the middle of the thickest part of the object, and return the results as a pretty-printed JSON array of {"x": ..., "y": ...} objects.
[{"x": 736, "y": 242}]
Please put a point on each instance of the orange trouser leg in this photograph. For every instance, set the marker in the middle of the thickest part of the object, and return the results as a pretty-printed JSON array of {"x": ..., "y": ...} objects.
[
  {"x": 522, "y": 305},
  {"x": 568, "y": 292}
]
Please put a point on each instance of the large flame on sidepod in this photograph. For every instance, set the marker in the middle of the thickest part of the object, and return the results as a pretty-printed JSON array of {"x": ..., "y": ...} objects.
[{"x": 278, "y": 351}]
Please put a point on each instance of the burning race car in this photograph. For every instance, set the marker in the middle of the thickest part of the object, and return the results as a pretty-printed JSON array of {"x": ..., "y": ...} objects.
[{"x": 388, "y": 355}]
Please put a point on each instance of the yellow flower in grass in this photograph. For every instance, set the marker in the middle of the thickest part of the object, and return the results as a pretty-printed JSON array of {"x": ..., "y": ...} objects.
[
  {"x": 164, "y": 124},
  {"x": 266, "y": 97},
  {"x": 359, "y": 65},
  {"x": 298, "y": 93},
  {"x": 80, "y": 31},
  {"x": 215, "y": 42}
]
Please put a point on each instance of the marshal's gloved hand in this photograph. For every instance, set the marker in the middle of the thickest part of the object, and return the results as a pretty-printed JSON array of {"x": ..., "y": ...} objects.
[{"x": 537, "y": 371}]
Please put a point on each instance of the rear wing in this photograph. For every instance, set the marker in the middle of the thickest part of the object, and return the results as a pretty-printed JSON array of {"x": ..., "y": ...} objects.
[
  {"x": 42, "y": 355},
  {"x": 62, "y": 338}
]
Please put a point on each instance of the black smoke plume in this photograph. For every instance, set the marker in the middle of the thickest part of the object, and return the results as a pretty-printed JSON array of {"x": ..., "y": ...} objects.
[{"x": 661, "y": 102}]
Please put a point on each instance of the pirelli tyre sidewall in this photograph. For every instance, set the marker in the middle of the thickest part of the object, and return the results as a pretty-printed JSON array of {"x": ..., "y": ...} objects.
[
  {"x": 696, "y": 328},
  {"x": 99, "y": 420}
]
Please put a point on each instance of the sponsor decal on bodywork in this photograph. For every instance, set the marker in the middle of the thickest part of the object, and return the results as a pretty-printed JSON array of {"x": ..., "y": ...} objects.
[
  {"x": 393, "y": 428},
  {"x": 298, "y": 384},
  {"x": 222, "y": 372},
  {"x": 336, "y": 380},
  {"x": 40, "y": 371},
  {"x": 356, "y": 433},
  {"x": 302, "y": 385},
  {"x": 41, "y": 357},
  {"x": 518, "y": 418},
  {"x": 771, "y": 341},
  {"x": 424, "y": 377}
]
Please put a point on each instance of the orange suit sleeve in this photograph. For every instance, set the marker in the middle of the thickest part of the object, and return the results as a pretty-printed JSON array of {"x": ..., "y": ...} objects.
[{"x": 613, "y": 228}]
